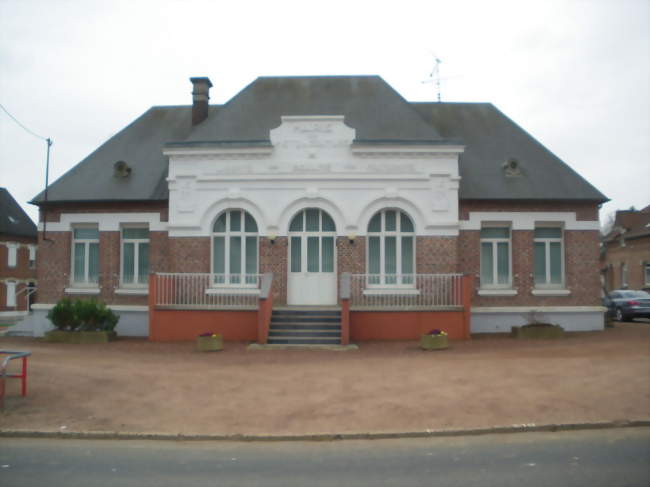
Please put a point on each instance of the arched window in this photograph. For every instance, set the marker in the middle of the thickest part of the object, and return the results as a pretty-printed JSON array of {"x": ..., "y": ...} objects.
[
  {"x": 234, "y": 249},
  {"x": 391, "y": 249}
]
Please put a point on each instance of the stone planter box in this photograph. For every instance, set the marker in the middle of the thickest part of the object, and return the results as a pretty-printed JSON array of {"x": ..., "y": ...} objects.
[
  {"x": 433, "y": 342},
  {"x": 538, "y": 331},
  {"x": 209, "y": 344},
  {"x": 80, "y": 337}
]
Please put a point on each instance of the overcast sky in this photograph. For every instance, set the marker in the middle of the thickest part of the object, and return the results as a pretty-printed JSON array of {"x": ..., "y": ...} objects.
[{"x": 574, "y": 74}]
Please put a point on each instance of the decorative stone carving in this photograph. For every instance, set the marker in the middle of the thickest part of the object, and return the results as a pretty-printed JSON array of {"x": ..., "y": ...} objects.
[{"x": 309, "y": 138}]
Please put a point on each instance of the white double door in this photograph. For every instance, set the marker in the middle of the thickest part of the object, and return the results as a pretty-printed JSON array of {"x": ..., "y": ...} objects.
[{"x": 311, "y": 278}]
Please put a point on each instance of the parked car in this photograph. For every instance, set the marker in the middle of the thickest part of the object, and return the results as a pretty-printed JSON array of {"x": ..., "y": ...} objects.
[{"x": 625, "y": 305}]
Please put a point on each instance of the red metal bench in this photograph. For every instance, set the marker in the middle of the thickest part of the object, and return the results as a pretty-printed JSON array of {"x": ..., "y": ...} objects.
[{"x": 12, "y": 355}]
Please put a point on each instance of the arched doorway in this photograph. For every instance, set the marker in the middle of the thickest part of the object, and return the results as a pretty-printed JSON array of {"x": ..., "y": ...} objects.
[{"x": 311, "y": 279}]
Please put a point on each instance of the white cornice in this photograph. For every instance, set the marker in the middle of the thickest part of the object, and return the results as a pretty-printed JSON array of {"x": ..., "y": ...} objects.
[
  {"x": 528, "y": 220},
  {"x": 399, "y": 150},
  {"x": 106, "y": 222},
  {"x": 189, "y": 153},
  {"x": 311, "y": 177}
]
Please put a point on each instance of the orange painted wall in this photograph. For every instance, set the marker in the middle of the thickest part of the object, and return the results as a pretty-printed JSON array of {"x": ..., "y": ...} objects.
[
  {"x": 186, "y": 325},
  {"x": 404, "y": 325}
]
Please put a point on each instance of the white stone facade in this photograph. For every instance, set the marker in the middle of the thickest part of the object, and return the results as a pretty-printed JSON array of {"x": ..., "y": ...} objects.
[{"x": 312, "y": 162}]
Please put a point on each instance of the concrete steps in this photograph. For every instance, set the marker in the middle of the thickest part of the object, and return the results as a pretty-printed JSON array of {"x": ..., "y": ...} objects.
[{"x": 305, "y": 326}]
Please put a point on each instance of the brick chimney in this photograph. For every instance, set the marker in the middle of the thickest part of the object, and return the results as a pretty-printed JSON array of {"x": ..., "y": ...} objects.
[{"x": 200, "y": 97}]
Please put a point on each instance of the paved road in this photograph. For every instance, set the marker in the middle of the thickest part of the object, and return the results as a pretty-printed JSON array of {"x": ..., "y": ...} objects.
[{"x": 611, "y": 458}]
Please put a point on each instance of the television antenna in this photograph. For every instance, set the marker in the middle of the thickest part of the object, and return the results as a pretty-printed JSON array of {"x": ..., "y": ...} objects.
[{"x": 434, "y": 76}]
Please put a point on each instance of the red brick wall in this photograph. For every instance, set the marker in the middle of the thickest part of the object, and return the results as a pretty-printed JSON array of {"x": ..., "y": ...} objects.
[
  {"x": 436, "y": 255},
  {"x": 433, "y": 255},
  {"x": 634, "y": 254},
  {"x": 581, "y": 252},
  {"x": 351, "y": 257},
  {"x": 273, "y": 258},
  {"x": 21, "y": 297},
  {"x": 189, "y": 254},
  {"x": 53, "y": 266},
  {"x": 54, "y": 259},
  {"x": 21, "y": 270},
  {"x": 21, "y": 273}
]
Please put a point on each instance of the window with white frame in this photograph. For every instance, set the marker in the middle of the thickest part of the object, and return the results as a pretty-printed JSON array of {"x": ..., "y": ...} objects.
[
  {"x": 12, "y": 254},
  {"x": 11, "y": 293},
  {"x": 235, "y": 249},
  {"x": 646, "y": 273},
  {"x": 85, "y": 256},
  {"x": 135, "y": 256},
  {"x": 391, "y": 249},
  {"x": 32, "y": 256},
  {"x": 495, "y": 257},
  {"x": 623, "y": 275},
  {"x": 548, "y": 257}
]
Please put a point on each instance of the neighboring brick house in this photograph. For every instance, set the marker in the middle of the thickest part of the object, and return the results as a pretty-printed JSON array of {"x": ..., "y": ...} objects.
[
  {"x": 311, "y": 178},
  {"x": 625, "y": 251},
  {"x": 17, "y": 257}
]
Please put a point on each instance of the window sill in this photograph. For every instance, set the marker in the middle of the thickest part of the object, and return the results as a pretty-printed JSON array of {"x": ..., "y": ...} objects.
[
  {"x": 233, "y": 291},
  {"x": 497, "y": 292},
  {"x": 82, "y": 290},
  {"x": 391, "y": 291},
  {"x": 133, "y": 291},
  {"x": 550, "y": 292}
]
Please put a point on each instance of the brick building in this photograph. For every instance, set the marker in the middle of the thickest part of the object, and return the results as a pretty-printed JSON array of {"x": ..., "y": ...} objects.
[
  {"x": 17, "y": 258},
  {"x": 625, "y": 251},
  {"x": 337, "y": 193}
]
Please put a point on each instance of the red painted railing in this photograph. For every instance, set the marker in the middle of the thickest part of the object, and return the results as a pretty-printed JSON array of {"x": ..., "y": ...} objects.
[{"x": 13, "y": 355}]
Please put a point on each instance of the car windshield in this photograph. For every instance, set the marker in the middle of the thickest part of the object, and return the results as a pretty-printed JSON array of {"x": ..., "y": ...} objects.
[{"x": 635, "y": 295}]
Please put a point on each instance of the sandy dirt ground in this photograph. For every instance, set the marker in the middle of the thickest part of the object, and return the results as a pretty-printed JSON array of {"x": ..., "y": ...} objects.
[{"x": 137, "y": 386}]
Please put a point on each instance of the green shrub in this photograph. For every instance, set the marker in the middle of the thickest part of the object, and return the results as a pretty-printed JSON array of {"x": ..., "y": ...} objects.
[
  {"x": 106, "y": 318},
  {"x": 63, "y": 315},
  {"x": 82, "y": 315}
]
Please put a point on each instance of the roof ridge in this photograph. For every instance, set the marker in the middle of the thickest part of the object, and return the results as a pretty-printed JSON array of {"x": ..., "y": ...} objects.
[{"x": 303, "y": 76}]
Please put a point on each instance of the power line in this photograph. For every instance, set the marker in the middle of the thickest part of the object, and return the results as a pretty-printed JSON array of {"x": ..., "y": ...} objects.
[
  {"x": 47, "y": 168},
  {"x": 24, "y": 128}
]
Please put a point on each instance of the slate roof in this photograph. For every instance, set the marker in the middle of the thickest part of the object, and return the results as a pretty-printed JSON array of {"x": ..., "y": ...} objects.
[
  {"x": 491, "y": 139},
  {"x": 369, "y": 104},
  {"x": 13, "y": 219},
  {"x": 372, "y": 107},
  {"x": 139, "y": 145}
]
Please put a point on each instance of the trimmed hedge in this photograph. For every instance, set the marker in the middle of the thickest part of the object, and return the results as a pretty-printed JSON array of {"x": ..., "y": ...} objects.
[{"x": 82, "y": 315}]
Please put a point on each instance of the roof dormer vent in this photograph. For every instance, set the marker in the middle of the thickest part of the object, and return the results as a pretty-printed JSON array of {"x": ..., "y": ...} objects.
[
  {"x": 511, "y": 168},
  {"x": 121, "y": 170}
]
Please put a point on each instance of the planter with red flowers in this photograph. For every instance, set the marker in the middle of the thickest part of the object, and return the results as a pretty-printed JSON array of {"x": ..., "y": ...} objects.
[{"x": 434, "y": 340}]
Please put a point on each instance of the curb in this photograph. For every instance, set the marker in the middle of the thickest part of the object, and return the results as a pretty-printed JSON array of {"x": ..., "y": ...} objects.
[{"x": 517, "y": 428}]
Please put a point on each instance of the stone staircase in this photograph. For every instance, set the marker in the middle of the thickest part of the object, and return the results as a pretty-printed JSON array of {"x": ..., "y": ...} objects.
[
  {"x": 305, "y": 326},
  {"x": 16, "y": 324}
]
